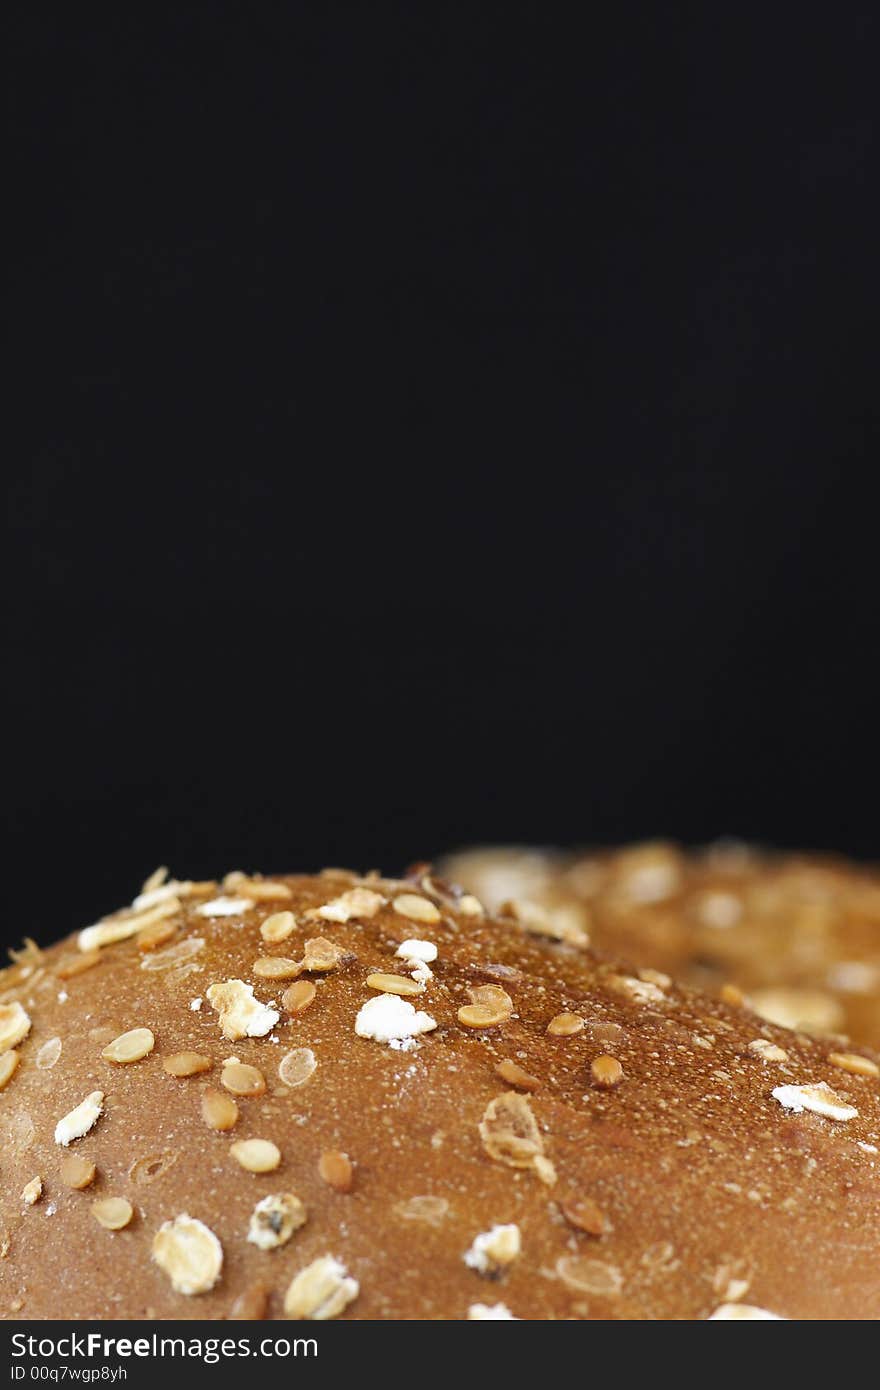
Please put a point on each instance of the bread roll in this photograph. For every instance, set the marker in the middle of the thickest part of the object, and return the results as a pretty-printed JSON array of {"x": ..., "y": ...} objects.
[
  {"x": 334, "y": 1096},
  {"x": 799, "y": 934}
]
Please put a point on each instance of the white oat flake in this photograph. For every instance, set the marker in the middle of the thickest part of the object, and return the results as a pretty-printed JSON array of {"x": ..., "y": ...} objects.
[
  {"x": 79, "y": 1121},
  {"x": 225, "y": 907},
  {"x": 743, "y": 1312},
  {"x": 241, "y": 1014},
  {"x": 357, "y": 902},
  {"x": 390, "y": 1019},
  {"x": 490, "y": 1312},
  {"x": 493, "y": 1250},
  {"x": 189, "y": 1253},
  {"x": 417, "y": 955},
  {"x": 414, "y": 950},
  {"x": 818, "y": 1098}
]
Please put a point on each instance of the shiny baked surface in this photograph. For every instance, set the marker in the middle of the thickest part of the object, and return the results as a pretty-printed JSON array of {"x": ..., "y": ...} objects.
[{"x": 626, "y": 1126}]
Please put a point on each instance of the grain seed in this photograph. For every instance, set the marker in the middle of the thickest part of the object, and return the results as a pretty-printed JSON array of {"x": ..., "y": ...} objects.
[
  {"x": 113, "y": 1213},
  {"x": 277, "y": 927},
  {"x": 130, "y": 1047},
  {"x": 337, "y": 1170},
  {"x": 321, "y": 1291},
  {"x": 218, "y": 1111},
  {"x": 256, "y": 1155},
  {"x": 298, "y": 997},
  {"x": 275, "y": 1219},
  {"x": 243, "y": 1080},
  {"x": 189, "y": 1253},
  {"x": 186, "y": 1064}
]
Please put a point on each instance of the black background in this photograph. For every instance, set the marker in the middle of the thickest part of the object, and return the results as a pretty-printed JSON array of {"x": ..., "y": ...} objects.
[{"x": 438, "y": 423}]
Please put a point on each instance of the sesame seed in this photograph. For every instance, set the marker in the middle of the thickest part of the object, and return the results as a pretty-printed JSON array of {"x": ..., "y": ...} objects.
[
  {"x": 256, "y": 1155},
  {"x": 854, "y": 976},
  {"x": 478, "y": 1016},
  {"x": 149, "y": 897},
  {"x": 276, "y": 968},
  {"x": 337, "y": 1170},
  {"x": 565, "y": 1025},
  {"x": 70, "y": 966},
  {"x": 584, "y": 1214},
  {"x": 394, "y": 984},
  {"x": 590, "y": 1276},
  {"x": 48, "y": 1054},
  {"x": 113, "y": 1213},
  {"x": 298, "y": 997},
  {"x": 130, "y": 1047},
  {"x": 151, "y": 938},
  {"x": 243, "y": 1080},
  {"x": 218, "y": 1111},
  {"x": 186, "y": 1064},
  {"x": 297, "y": 1066},
  {"x": 430, "y": 1210},
  {"x": 469, "y": 906},
  {"x": 514, "y": 1075},
  {"x": 731, "y": 994},
  {"x": 768, "y": 1051},
  {"x": 257, "y": 889},
  {"x": 852, "y": 1062},
  {"x": 494, "y": 1000},
  {"x": 76, "y": 1172},
  {"x": 606, "y": 1071},
  {"x": 278, "y": 927},
  {"x": 415, "y": 908}
]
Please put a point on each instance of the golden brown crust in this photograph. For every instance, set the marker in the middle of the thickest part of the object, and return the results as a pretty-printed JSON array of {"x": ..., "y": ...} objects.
[
  {"x": 799, "y": 934},
  {"x": 662, "y": 1192}
]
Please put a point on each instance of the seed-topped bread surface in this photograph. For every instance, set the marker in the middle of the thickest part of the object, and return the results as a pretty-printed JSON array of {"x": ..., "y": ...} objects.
[
  {"x": 798, "y": 933},
  {"x": 341, "y": 1096}
]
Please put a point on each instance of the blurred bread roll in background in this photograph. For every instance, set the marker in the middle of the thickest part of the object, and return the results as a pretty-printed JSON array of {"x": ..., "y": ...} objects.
[{"x": 798, "y": 934}]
